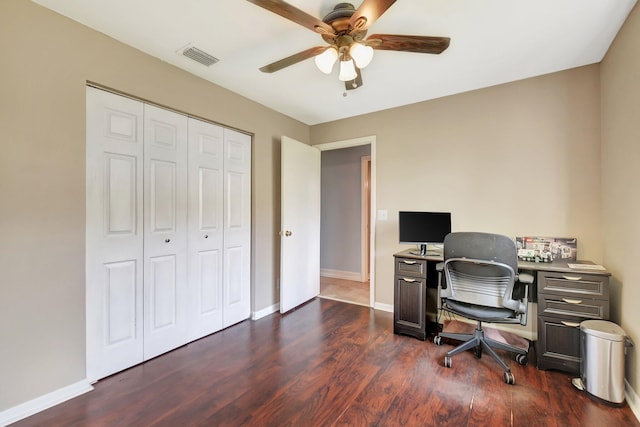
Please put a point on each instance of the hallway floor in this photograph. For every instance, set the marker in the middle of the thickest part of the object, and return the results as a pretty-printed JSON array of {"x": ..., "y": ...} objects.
[{"x": 350, "y": 291}]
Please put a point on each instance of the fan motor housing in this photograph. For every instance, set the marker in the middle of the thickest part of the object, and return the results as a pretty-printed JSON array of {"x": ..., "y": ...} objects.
[{"x": 340, "y": 20}]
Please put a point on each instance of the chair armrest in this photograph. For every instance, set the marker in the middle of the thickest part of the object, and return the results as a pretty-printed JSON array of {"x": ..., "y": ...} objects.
[{"x": 525, "y": 278}]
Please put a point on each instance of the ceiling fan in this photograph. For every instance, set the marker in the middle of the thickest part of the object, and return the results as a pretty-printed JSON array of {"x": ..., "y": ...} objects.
[{"x": 344, "y": 29}]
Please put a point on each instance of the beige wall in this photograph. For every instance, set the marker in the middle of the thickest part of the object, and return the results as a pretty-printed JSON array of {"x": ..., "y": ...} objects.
[
  {"x": 45, "y": 62},
  {"x": 621, "y": 174},
  {"x": 519, "y": 159}
]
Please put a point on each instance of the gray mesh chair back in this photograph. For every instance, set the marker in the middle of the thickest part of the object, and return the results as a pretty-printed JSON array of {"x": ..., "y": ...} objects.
[{"x": 481, "y": 269}]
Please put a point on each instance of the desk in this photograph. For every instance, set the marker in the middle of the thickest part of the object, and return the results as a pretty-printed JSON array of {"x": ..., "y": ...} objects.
[{"x": 565, "y": 297}]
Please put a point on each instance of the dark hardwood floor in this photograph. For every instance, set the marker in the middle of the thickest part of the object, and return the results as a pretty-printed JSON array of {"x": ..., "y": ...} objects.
[{"x": 328, "y": 364}]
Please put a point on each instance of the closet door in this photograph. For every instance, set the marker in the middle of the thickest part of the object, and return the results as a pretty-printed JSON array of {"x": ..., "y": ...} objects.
[
  {"x": 237, "y": 227},
  {"x": 165, "y": 231},
  {"x": 114, "y": 235},
  {"x": 205, "y": 227}
]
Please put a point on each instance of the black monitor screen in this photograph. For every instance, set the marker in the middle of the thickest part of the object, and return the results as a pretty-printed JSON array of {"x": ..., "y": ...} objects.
[{"x": 424, "y": 228}]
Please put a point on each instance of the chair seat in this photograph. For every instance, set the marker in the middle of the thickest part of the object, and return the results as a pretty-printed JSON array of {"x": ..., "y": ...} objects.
[{"x": 482, "y": 313}]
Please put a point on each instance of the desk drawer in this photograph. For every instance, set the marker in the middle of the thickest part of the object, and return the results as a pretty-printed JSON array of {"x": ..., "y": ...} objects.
[
  {"x": 575, "y": 309},
  {"x": 574, "y": 285},
  {"x": 558, "y": 345},
  {"x": 411, "y": 267}
]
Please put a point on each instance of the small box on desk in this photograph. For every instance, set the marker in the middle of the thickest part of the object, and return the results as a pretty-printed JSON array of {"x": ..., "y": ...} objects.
[{"x": 547, "y": 249}]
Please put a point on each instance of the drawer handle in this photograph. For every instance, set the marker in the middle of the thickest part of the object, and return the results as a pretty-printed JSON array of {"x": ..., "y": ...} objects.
[
  {"x": 574, "y": 278},
  {"x": 572, "y": 301},
  {"x": 409, "y": 262},
  {"x": 406, "y": 279},
  {"x": 570, "y": 324}
]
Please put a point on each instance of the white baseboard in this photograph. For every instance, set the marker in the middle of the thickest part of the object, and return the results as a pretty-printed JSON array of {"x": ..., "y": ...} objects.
[
  {"x": 383, "y": 307},
  {"x": 46, "y": 401},
  {"x": 265, "y": 311},
  {"x": 338, "y": 274},
  {"x": 632, "y": 399}
]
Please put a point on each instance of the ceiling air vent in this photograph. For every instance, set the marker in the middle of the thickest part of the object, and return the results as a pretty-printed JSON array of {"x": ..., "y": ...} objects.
[{"x": 199, "y": 56}]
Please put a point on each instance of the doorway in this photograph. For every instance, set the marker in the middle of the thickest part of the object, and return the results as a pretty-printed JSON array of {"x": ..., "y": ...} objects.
[{"x": 348, "y": 189}]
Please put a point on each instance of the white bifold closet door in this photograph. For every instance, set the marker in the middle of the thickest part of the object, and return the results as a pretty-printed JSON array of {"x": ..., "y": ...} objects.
[
  {"x": 237, "y": 227},
  {"x": 168, "y": 230},
  {"x": 205, "y": 226},
  {"x": 114, "y": 234},
  {"x": 219, "y": 226},
  {"x": 166, "y": 294}
]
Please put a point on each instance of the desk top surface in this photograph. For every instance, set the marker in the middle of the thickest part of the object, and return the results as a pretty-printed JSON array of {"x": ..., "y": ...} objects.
[{"x": 556, "y": 266}]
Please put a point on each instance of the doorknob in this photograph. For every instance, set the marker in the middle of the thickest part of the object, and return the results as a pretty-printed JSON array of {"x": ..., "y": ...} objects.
[
  {"x": 287, "y": 233},
  {"x": 167, "y": 240}
]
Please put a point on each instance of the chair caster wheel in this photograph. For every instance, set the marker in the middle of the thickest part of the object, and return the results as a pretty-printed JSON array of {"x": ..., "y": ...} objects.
[
  {"x": 447, "y": 361},
  {"x": 478, "y": 352},
  {"x": 509, "y": 378},
  {"x": 437, "y": 340},
  {"x": 522, "y": 359}
]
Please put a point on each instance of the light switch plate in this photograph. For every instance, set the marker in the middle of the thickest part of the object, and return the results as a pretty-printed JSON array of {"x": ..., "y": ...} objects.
[{"x": 382, "y": 215}]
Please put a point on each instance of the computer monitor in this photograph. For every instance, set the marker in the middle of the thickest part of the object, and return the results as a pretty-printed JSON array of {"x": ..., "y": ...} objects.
[{"x": 423, "y": 229}]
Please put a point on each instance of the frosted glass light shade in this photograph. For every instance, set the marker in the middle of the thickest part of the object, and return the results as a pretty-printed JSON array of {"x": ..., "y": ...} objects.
[
  {"x": 326, "y": 59},
  {"x": 347, "y": 71},
  {"x": 361, "y": 54}
]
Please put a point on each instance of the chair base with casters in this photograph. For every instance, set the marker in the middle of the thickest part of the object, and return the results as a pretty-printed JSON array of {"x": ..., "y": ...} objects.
[{"x": 479, "y": 342}]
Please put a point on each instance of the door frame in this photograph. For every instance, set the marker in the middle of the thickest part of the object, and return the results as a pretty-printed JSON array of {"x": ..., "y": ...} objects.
[
  {"x": 365, "y": 216},
  {"x": 355, "y": 142}
]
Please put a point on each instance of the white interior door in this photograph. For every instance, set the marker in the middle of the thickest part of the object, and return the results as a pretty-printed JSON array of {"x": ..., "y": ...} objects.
[
  {"x": 165, "y": 231},
  {"x": 237, "y": 227},
  {"x": 205, "y": 246},
  {"x": 300, "y": 225},
  {"x": 114, "y": 235}
]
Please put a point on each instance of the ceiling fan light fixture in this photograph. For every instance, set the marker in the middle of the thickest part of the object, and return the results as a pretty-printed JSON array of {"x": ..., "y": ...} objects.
[
  {"x": 347, "y": 71},
  {"x": 326, "y": 59},
  {"x": 361, "y": 54}
]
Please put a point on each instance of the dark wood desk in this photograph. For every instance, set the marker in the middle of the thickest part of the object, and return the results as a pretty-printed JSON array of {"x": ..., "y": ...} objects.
[{"x": 565, "y": 297}]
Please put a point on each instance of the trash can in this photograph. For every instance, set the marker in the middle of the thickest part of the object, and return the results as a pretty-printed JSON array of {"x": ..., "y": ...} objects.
[{"x": 602, "y": 350}]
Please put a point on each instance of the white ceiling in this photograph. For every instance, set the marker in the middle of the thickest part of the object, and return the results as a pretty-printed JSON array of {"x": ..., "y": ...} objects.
[{"x": 492, "y": 42}]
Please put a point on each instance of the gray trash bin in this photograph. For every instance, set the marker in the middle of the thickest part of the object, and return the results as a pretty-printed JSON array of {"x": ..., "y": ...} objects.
[{"x": 602, "y": 350}]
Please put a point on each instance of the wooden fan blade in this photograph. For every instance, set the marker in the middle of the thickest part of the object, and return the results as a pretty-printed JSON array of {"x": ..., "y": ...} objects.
[
  {"x": 293, "y": 59},
  {"x": 368, "y": 12},
  {"x": 294, "y": 14},
  {"x": 420, "y": 44}
]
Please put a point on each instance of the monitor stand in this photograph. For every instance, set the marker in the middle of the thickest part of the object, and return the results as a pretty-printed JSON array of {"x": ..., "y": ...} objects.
[{"x": 423, "y": 251}]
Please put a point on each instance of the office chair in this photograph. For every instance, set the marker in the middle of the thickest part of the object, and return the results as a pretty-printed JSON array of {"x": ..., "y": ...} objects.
[{"x": 480, "y": 278}]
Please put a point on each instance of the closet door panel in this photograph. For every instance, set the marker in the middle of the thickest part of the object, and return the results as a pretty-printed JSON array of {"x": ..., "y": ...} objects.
[
  {"x": 120, "y": 195},
  {"x": 163, "y": 297},
  {"x": 208, "y": 281},
  {"x": 162, "y": 191},
  {"x": 234, "y": 291},
  {"x": 166, "y": 295},
  {"x": 205, "y": 227},
  {"x": 120, "y": 303},
  {"x": 114, "y": 238},
  {"x": 209, "y": 199},
  {"x": 237, "y": 227}
]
